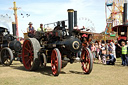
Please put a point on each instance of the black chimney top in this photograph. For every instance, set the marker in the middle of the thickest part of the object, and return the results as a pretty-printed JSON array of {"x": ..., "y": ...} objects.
[{"x": 70, "y": 21}]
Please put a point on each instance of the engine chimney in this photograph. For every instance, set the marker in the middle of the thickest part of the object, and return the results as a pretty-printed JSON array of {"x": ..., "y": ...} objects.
[
  {"x": 70, "y": 21},
  {"x": 14, "y": 28},
  {"x": 125, "y": 14},
  {"x": 75, "y": 18}
]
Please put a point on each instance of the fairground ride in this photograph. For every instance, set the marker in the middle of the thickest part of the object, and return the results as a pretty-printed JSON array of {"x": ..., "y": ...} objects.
[
  {"x": 87, "y": 24},
  {"x": 114, "y": 14}
]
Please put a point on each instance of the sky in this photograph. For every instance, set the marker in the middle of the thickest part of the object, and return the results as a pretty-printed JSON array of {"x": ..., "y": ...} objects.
[{"x": 48, "y": 11}]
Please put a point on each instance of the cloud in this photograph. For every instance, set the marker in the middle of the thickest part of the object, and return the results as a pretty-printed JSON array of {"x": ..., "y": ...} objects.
[{"x": 5, "y": 22}]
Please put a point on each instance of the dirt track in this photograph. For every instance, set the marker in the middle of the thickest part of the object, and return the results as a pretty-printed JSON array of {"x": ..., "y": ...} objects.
[{"x": 72, "y": 74}]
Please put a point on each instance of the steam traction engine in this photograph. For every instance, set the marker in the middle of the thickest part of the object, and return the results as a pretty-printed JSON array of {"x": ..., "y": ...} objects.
[
  {"x": 9, "y": 46},
  {"x": 57, "y": 47}
]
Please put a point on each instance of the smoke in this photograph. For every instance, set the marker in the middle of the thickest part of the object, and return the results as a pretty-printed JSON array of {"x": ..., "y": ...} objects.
[{"x": 5, "y": 21}]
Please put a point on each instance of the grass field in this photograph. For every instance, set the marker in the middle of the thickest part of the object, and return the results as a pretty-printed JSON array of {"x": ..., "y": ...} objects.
[{"x": 72, "y": 74}]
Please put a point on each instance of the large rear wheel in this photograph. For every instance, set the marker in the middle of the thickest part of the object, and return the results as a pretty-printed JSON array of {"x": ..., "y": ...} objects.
[
  {"x": 30, "y": 51},
  {"x": 56, "y": 62},
  {"x": 6, "y": 56},
  {"x": 87, "y": 60}
]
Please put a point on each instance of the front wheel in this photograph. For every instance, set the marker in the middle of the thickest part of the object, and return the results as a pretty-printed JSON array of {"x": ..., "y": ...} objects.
[
  {"x": 86, "y": 60},
  {"x": 56, "y": 62}
]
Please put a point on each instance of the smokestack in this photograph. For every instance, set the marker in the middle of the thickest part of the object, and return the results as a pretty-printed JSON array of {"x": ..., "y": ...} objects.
[
  {"x": 75, "y": 18},
  {"x": 70, "y": 21},
  {"x": 125, "y": 14},
  {"x": 14, "y": 28}
]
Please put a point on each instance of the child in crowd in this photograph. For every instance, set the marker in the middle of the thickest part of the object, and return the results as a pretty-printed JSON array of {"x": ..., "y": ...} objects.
[{"x": 111, "y": 60}]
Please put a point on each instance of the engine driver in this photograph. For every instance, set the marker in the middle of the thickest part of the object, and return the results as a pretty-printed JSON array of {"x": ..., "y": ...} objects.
[
  {"x": 30, "y": 30},
  {"x": 41, "y": 29}
]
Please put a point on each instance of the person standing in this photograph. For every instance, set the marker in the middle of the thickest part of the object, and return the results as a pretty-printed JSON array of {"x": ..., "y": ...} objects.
[
  {"x": 103, "y": 54},
  {"x": 100, "y": 52},
  {"x": 93, "y": 49},
  {"x": 30, "y": 30},
  {"x": 41, "y": 28},
  {"x": 113, "y": 47},
  {"x": 124, "y": 53},
  {"x": 97, "y": 50}
]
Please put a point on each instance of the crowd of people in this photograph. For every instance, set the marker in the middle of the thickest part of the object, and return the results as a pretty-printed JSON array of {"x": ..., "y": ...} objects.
[{"x": 106, "y": 52}]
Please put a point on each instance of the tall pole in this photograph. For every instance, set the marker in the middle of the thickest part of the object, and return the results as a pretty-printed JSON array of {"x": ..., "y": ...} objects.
[
  {"x": 16, "y": 20},
  {"x": 125, "y": 14}
]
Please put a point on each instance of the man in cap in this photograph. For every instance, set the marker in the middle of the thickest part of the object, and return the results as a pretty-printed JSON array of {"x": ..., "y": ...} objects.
[
  {"x": 41, "y": 28},
  {"x": 30, "y": 30}
]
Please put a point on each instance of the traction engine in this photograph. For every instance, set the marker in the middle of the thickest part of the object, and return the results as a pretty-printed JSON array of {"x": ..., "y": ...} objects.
[
  {"x": 9, "y": 46},
  {"x": 57, "y": 47}
]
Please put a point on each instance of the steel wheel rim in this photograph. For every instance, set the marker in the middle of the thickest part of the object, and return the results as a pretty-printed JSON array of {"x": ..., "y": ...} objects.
[
  {"x": 27, "y": 54},
  {"x": 6, "y": 57},
  {"x": 85, "y": 60},
  {"x": 54, "y": 62}
]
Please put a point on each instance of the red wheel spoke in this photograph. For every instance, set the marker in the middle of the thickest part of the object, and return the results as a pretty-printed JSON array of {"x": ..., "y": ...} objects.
[
  {"x": 29, "y": 65},
  {"x": 31, "y": 58},
  {"x": 28, "y": 44},
  {"x": 27, "y": 49},
  {"x": 32, "y": 53},
  {"x": 25, "y": 56},
  {"x": 28, "y": 61}
]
